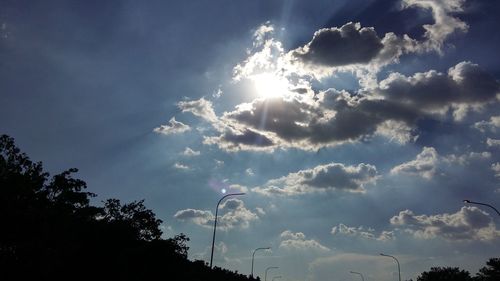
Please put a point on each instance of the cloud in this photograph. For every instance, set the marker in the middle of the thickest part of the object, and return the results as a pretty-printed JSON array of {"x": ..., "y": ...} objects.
[
  {"x": 359, "y": 49},
  {"x": 189, "y": 152},
  {"x": 349, "y": 44},
  {"x": 297, "y": 242},
  {"x": 174, "y": 127},
  {"x": 220, "y": 253},
  {"x": 245, "y": 140},
  {"x": 238, "y": 188},
  {"x": 492, "y": 142},
  {"x": 329, "y": 177},
  {"x": 181, "y": 166},
  {"x": 362, "y": 232},
  {"x": 202, "y": 108},
  {"x": 444, "y": 24},
  {"x": 218, "y": 163},
  {"x": 495, "y": 167},
  {"x": 425, "y": 165},
  {"x": 199, "y": 217},
  {"x": 470, "y": 223},
  {"x": 332, "y": 117},
  {"x": 492, "y": 125},
  {"x": 429, "y": 162},
  {"x": 466, "y": 86},
  {"x": 235, "y": 215}
]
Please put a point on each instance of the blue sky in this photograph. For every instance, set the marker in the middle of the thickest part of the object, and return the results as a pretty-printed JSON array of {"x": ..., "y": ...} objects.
[{"x": 353, "y": 127}]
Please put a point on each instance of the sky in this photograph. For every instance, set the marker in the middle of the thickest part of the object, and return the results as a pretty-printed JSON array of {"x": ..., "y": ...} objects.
[{"x": 353, "y": 127}]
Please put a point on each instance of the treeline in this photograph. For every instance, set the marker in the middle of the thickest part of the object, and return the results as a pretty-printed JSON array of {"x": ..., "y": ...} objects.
[
  {"x": 50, "y": 231},
  {"x": 490, "y": 272}
]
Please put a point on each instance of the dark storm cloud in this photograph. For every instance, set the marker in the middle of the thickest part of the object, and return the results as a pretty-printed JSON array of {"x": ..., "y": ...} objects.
[{"x": 349, "y": 44}]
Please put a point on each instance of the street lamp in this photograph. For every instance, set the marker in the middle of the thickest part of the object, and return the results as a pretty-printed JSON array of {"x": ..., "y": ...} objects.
[
  {"x": 399, "y": 268},
  {"x": 354, "y": 272},
  {"x": 484, "y": 204},
  {"x": 215, "y": 222},
  {"x": 267, "y": 269},
  {"x": 276, "y": 277},
  {"x": 253, "y": 256}
]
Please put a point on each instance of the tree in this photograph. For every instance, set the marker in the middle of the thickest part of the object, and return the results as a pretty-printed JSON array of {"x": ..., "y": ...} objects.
[
  {"x": 50, "y": 231},
  {"x": 445, "y": 274},
  {"x": 491, "y": 272},
  {"x": 140, "y": 221}
]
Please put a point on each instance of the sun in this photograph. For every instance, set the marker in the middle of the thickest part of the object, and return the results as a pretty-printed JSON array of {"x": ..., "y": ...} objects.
[{"x": 269, "y": 85}]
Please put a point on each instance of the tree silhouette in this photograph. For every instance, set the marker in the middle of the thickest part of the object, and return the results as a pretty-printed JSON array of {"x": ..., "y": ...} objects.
[
  {"x": 445, "y": 274},
  {"x": 50, "y": 231},
  {"x": 491, "y": 272}
]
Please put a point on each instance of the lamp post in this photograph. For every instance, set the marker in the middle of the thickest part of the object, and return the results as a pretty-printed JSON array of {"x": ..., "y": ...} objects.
[
  {"x": 483, "y": 204},
  {"x": 354, "y": 272},
  {"x": 215, "y": 222},
  {"x": 267, "y": 269},
  {"x": 276, "y": 277},
  {"x": 399, "y": 268},
  {"x": 253, "y": 256}
]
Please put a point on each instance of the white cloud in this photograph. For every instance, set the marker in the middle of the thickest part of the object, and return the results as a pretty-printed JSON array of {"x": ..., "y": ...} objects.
[
  {"x": 199, "y": 217},
  {"x": 174, "y": 127},
  {"x": 492, "y": 125},
  {"x": 181, "y": 166},
  {"x": 444, "y": 25},
  {"x": 202, "y": 108},
  {"x": 492, "y": 142},
  {"x": 329, "y": 177},
  {"x": 234, "y": 215},
  {"x": 360, "y": 231},
  {"x": 428, "y": 162},
  {"x": 496, "y": 168},
  {"x": 220, "y": 254},
  {"x": 238, "y": 188},
  {"x": 249, "y": 172},
  {"x": 470, "y": 223},
  {"x": 297, "y": 242},
  {"x": 218, "y": 163},
  {"x": 425, "y": 165},
  {"x": 189, "y": 152}
]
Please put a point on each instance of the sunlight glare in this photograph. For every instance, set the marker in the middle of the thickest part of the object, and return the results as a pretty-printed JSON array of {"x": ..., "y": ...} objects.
[{"x": 269, "y": 85}]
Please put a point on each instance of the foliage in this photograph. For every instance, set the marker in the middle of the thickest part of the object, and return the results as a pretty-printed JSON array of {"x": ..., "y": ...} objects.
[
  {"x": 491, "y": 272},
  {"x": 445, "y": 274},
  {"x": 50, "y": 231}
]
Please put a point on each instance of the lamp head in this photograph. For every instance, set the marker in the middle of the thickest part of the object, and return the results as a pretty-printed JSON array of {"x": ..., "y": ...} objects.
[{"x": 466, "y": 201}]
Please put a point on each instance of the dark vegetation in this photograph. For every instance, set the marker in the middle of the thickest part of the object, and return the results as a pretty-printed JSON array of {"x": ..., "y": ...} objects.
[
  {"x": 490, "y": 272},
  {"x": 50, "y": 231}
]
